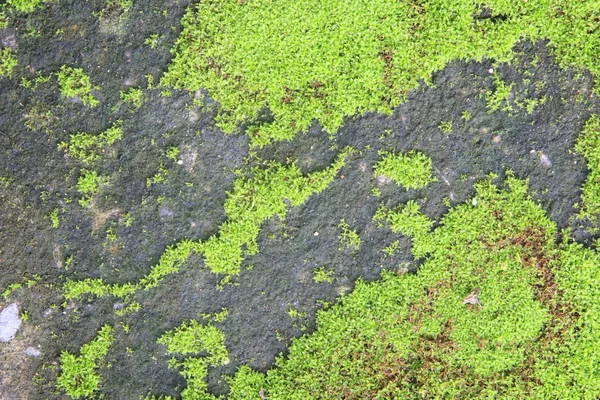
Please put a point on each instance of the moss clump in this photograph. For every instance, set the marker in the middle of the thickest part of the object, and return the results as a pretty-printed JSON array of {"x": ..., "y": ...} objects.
[
  {"x": 251, "y": 202},
  {"x": 411, "y": 170},
  {"x": 8, "y": 62},
  {"x": 323, "y": 274},
  {"x": 497, "y": 310},
  {"x": 86, "y": 147},
  {"x": 498, "y": 99},
  {"x": 313, "y": 60},
  {"x": 24, "y": 5},
  {"x": 193, "y": 338},
  {"x": 588, "y": 145},
  {"x": 74, "y": 82},
  {"x": 88, "y": 185},
  {"x": 133, "y": 97},
  {"x": 349, "y": 239},
  {"x": 78, "y": 377}
]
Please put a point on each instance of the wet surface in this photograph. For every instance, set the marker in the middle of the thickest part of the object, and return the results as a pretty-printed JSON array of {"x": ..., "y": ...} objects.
[{"x": 37, "y": 178}]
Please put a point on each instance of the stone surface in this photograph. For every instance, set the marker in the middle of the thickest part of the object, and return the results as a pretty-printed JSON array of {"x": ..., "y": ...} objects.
[
  {"x": 9, "y": 322},
  {"x": 33, "y": 351}
]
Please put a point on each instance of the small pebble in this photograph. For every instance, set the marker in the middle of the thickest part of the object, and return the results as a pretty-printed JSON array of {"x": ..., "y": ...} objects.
[
  {"x": 32, "y": 352},
  {"x": 316, "y": 234}
]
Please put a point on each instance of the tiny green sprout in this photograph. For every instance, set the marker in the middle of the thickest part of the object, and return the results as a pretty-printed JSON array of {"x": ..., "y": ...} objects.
[
  {"x": 466, "y": 115},
  {"x": 152, "y": 40},
  {"x": 88, "y": 185},
  {"x": 8, "y": 62},
  {"x": 24, "y": 316},
  {"x": 445, "y": 126},
  {"x": 349, "y": 239},
  {"x": 376, "y": 192},
  {"x": 133, "y": 97},
  {"x": 323, "y": 274},
  {"x": 74, "y": 82},
  {"x": 54, "y": 220},
  {"x": 172, "y": 153},
  {"x": 293, "y": 313},
  {"x": 391, "y": 248}
]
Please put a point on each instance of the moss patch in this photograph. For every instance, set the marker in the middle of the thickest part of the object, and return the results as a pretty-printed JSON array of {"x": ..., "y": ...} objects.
[
  {"x": 74, "y": 82},
  {"x": 588, "y": 145},
  {"x": 78, "y": 377},
  {"x": 411, "y": 170},
  {"x": 497, "y": 309},
  {"x": 311, "y": 60}
]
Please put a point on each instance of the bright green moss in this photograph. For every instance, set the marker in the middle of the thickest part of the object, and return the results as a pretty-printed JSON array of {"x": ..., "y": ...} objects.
[
  {"x": 193, "y": 338},
  {"x": 497, "y": 310},
  {"x": 78, "y": 376},
  {"x": 74, "y": 82},
  {"x": 588, "y": 145},
  {"x": 324, "y": 60},
  {"x": 251, "y": 202},
  {"x": 8, "y": 62},
  {"x": 323, "y": 274},
  {"x": 133, "y": 97},
  {"x": 411, "y": 170},
  {"x": 88, "y": 185},
  {"x": 498, "y": 99},
  {"x": 349, "y": 239},
  {"x": 86, "y": 147},
  {"x": 24, "y": 5}
]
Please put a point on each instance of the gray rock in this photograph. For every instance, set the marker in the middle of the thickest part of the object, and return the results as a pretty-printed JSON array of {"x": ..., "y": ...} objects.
[
  {"x": 9, "y": 322},
  {"x": 33, "y": 352}
]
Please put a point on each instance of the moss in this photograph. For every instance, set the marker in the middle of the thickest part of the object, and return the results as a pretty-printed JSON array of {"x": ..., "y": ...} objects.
[
  {"x": 588, "y": 145},
  {"x": 312, "y": 60},
  {"x": 411, "y": 170},
  {"x": 252, "y": 201},
  {"x": 8, "y": 62},
  {"x": 88, "y": 185},
  {"x": 133, "y": 97},
  {"x": 323, "y": 274},
  {"x": 497, "y": 310},
  {"x": 24, "y": 5},
  {"x": 87, "y": 148},
  {"x": 349, "y": 239},
  {"x": 78, "y": 377},
  {"x": 193, "y": 338},
  {"x": 73, "y": 82},
  {"x": 498, "y": 99},
  {"x": 445, "y": 126}
]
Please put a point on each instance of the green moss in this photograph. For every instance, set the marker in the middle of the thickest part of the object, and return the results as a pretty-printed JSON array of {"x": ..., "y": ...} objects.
[
  {"x": 193, "y": 338},
  {"x": 88, "y": 185},
  {"x": 497, "y": 310},
  {"x": 312, "y": 60},
  {"x": 74, "y": 82},
  {"x": 588, "y": 145},
  {"x": 323, "y": 274},
  {"x": 445, "y": 126},
  {"x": 133, "y": 97},
  {"x": 411, "y": 170},
  {"x": 8, "y": 62},
  {"x": 78, "y": 377},
  {"x": 349, "y": 239},
  {"x": 24, "y": 5},
  {"x": 87, "y": 148},
  {"x": 498, "y": 99},
  {"x": 252, "y": 201},
  {"x": 54, "y": 219}
]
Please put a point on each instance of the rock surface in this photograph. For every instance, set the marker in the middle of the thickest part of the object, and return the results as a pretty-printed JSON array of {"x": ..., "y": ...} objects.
[{"x": 9, "y": 322}]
